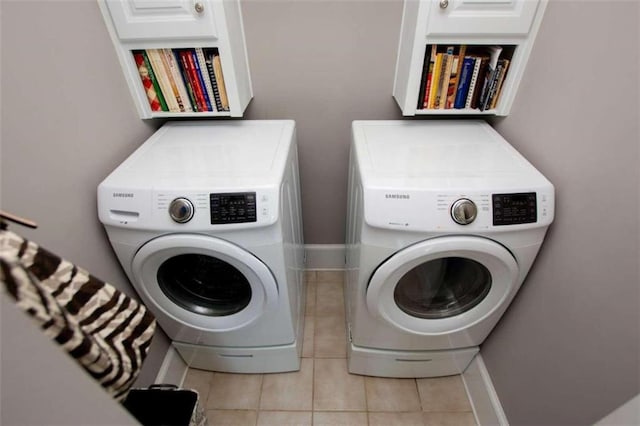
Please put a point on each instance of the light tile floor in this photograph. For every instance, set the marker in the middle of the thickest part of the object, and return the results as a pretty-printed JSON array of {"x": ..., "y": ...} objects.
[{"x": 323, "y": 392}]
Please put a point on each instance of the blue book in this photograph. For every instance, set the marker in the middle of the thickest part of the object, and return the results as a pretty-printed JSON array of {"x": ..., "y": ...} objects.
[{"x": 465, "y": 79}]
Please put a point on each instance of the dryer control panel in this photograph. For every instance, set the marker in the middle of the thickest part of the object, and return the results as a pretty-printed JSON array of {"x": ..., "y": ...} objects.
[{"x": 238, "y": 207}]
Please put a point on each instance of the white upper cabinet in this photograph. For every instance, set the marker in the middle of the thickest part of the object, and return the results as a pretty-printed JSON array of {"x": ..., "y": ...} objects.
[
  {"x": 154, "y": 19},
  {"x": 478, "y": 17},
  {"x": 181, "y": 58},
  {"x": 463, "y": 57}
]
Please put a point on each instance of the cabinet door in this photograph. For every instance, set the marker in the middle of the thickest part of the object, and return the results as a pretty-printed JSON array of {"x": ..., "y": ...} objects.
[
  {"x": 160, "y": 19},
  {"x": 475, "y": 17}
]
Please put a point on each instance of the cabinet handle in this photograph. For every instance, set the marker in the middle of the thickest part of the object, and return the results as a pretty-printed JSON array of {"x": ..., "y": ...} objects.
[
  {"x": 444, "y": 4},
  {"x": 200, "y": 7}
]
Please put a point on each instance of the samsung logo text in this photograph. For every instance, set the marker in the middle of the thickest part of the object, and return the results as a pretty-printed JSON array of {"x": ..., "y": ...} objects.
[
  {"x": 397, "y": 196},
  {"x": 123, "y": 195}
]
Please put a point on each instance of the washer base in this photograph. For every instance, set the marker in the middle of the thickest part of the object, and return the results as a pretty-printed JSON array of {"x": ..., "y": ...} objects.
[
  {"x": 272, "y": 359},
  {"x": 408, "y": 364}
]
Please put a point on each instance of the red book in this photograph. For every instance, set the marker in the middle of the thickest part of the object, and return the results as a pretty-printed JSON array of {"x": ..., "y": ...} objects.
[
  {"x": 195, "y": 81},
  {"x": 147, "y": 83}
]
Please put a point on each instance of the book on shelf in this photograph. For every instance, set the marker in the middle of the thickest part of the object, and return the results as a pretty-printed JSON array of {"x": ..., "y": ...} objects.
[
  {"x": 184, "y": 71},
  {"x": 477, "y": 62},
  {"x": 163, "y": 79},
  {"x": 443, "y": 91},
  {"x": 182, "y": 80},
  {"x": 202, "y": 64},
  {"x": 217, "y": 69},
  {"x": 175, "y": 77},
  {"x": 436, "y": 81},
  {"x": 490, "y": 75},
  {"x": 477, "y": 89},
  {"x": 468, "y": 63},
  {"x": 503, "y": 74},
  {"x": 425, "y": 75},
  {"x": 187, "y": 58},
  {"x": 454, "y": 79},
  {"x": 151, "y": 88},
  {"x": 209, "y": 55}
]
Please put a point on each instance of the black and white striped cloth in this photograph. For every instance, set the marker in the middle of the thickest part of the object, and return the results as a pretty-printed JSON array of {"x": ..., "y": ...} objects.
[{"x": 106, "y": 331}]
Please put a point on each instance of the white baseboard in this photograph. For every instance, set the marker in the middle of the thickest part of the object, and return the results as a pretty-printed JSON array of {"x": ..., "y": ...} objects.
[
  {"x": 482, "y": 394},
  {"x": 324, "y": 256},
  {"x": 173, "y": 369}
]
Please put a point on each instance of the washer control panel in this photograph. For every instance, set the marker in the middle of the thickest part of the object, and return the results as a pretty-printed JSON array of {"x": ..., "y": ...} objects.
[
  {"x": 238, "y": 207},
  {"x": 464, "y": 211},
  {"x": 514, "y": 209}
]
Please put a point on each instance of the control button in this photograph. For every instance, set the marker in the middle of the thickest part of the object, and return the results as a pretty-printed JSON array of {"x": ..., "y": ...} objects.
[
  {"x": 464, "y": 211},
  {"x": 181, "y": 210}
]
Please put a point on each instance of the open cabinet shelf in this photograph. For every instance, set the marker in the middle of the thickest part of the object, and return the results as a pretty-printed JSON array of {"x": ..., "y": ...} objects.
[
  {"x": 463, "y": 57},
  {"x": 181, "y": 58}
]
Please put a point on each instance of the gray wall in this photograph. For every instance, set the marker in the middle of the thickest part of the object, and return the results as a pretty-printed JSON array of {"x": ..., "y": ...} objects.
[{"x": 567, "y": 351}]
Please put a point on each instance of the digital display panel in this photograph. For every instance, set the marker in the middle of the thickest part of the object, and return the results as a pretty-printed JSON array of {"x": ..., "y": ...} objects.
[
  {"x": 233, "y": 207},
  {"x": 514, "y": 209}
]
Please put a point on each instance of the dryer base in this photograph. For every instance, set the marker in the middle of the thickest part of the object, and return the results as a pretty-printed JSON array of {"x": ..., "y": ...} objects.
[
  {"x": 272, "y": 359},
  {"x": 408, "y": 364}
]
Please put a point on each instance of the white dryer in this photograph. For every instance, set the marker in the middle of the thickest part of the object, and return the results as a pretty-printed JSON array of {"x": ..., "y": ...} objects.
[
  {"x": 445, "y": 219},
  {"x": 205, "y": 219}
]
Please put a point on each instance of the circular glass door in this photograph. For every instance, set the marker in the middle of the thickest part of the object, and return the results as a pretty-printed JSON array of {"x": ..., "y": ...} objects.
[
  {"x": 442, "y": 288},
  {"x": 442, "y": 285},
  {"x": 204, "y": 282}
]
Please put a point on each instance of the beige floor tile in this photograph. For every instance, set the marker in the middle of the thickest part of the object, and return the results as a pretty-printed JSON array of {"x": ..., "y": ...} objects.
[
  {"x": 449, "y": 419},
  {"x": 334, "y": 389},
  {"x": 396, "y": 419},
  {"x": 200, "y": 381},
  {"x": 330, "y": 337},
  {"x": 329, "y": 298},
  {"x": 289, "y": 391},
  {"x": 329, "y": 276},
  {"x": 231, "y": 417},
  {"x": 310, "y": 308},
  {"x": 325, "y": 418},
  {"x": 310, "y": 276},
  {"x": 443, "y": 394},
  {"x": 309, "y": 333},
  {"x": 284, "y": 418},
  {"x": 392, "y": 394},
  {"x": 234, "y": 391}
]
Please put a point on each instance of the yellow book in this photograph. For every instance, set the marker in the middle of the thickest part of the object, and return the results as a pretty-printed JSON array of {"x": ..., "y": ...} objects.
[{"x": 437, "y": 71}]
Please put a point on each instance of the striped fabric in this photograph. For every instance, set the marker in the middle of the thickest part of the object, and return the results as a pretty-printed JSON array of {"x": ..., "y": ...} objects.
[{"x": 106, "y": 331}]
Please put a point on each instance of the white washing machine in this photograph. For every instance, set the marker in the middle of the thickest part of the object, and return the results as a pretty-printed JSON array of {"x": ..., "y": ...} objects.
[
  {"x": 445, "y": 219},
  {"x": 205, "y": 219}
]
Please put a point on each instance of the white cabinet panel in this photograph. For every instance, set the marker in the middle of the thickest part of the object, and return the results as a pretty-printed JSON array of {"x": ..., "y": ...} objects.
[
  {"x": 157, "y": 19},
  {"x": 481, "y": 17}
]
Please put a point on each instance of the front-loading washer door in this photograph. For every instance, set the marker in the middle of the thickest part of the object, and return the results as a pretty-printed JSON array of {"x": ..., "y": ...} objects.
[
  {"x": 442, "y": 285},
  {"x": 204, "y": 282}
]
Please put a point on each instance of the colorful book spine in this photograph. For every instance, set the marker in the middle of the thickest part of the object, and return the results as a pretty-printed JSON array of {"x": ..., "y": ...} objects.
[
  {"x": 465, "y": 79},
  {"x": 429, "y": 85},
  {"x": 147, "y": 83},
  {"x": 455, "y": 76},
  {"x": 202, "y": 63},
  {"x": 184, "y": 72},
  {"x": 163, "y": 80},
  {"x": 435, "y": 83},
  {"x": 195, "y": 82},
  {"x": 199, "y": 75},
  {"x": 474, "y": 80},
  {"x": 172, "y": 80},
  {"x": 444, "y": 85}
]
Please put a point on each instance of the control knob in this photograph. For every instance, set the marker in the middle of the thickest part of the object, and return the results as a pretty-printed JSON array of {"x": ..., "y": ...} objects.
[
  {"x": 464, "y": 211},
  {"x": 181, "y": 210}
]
